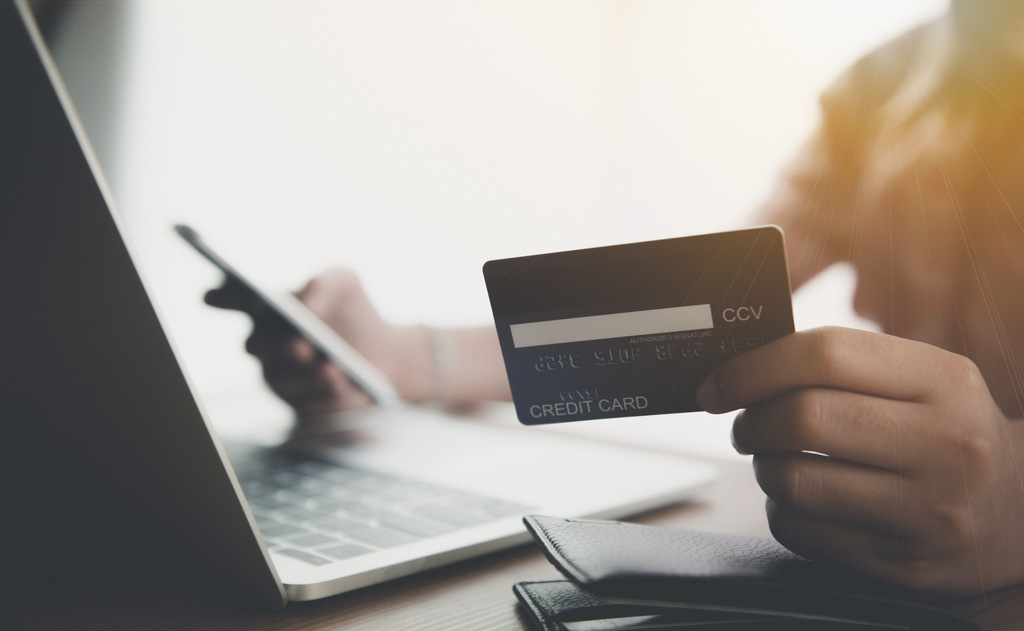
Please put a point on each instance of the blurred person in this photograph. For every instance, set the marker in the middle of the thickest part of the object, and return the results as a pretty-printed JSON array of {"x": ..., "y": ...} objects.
[{"x": 899, "y": 453}]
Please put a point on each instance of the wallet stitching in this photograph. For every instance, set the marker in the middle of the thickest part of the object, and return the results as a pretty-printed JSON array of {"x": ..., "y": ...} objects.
[
  {"x": 554, "y": 545},
  {"x": 543, "y": 613}
]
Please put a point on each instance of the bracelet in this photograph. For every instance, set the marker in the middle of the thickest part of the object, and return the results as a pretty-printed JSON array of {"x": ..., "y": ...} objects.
[{"x": 441, "y": 360}]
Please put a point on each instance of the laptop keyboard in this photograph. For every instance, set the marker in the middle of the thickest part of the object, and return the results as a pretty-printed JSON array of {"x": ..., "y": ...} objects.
[{"x": 319, "y": 512}]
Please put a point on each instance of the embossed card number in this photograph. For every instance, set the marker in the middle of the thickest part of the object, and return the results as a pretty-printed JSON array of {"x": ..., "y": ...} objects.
[{"x": 633, "y": 329}]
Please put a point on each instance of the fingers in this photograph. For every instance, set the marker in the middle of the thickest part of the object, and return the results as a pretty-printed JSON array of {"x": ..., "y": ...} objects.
[
  {"x": 952, "y": 416},
  {"x": 233, "y": 295},
  {"x": 882, "y": 454},
  {"x": 843, "y": 424},
  {"x": 337, "y": 291},
  {"x": 845, "y": 359},
  {"x": 898, "y": 556},
  {"x": 314, "y": 387},
  {"x": 871, "y": 552},
  {"x": 292, "y": 367},
  {"x": 831, "y": 489},
  {"x": 301, "y": 376},
  {"x": 317, "y": 389},
  {"x": 225, "y": 299},
  {"x": 271, "y": 347}
]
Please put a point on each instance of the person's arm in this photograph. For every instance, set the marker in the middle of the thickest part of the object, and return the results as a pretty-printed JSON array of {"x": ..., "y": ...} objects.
[
  {"x": 822, "y": 198},
  {"x": 808, "y": 203},
  {"x": 465, "y": 367},
  {"x": 448, "y": 366},
  {"x": 882, "y": 454}
]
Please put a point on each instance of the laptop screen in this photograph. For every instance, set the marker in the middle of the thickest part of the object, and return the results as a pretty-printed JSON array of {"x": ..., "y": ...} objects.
[{"x": 89, "y": 377}]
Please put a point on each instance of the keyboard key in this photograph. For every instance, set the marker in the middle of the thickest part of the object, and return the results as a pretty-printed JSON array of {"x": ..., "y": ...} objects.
[
  {"x": 337, "y": 524},
  {"x": 305, "y": 557},
  {"x": 270, "y": 502},
  {"x": 380, "y": 537},
  {"x": 306, "y": 513},
  {"x": 311, "y": 487},
  {"x": 311, "y": 540},
  {"x": 369, "y": 511},
  {"x": 284, "y": 478},
  {"x": 274, "y": 529}
]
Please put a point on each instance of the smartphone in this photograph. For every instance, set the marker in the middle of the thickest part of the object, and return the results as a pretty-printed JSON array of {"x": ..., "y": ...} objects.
[{"x": 360, "y": 370}]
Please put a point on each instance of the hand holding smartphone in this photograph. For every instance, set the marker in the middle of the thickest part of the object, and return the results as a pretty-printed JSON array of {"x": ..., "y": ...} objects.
[{"x": 290, "y": 310}]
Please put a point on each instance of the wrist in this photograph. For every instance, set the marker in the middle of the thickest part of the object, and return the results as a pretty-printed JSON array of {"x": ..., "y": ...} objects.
[
  {"x": 440, "y": 363},
  {"x": 423, "y": 360}
]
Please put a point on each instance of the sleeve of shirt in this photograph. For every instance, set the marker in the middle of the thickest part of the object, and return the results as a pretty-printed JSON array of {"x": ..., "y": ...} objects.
[{"x": 815, "y": 198}]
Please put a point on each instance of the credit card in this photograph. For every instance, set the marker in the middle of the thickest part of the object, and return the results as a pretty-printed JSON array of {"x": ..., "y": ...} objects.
[{"x": 633, "y": 329}]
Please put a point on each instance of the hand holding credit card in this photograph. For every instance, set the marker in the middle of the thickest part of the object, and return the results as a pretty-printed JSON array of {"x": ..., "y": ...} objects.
[{"x": 630, "y": 330}]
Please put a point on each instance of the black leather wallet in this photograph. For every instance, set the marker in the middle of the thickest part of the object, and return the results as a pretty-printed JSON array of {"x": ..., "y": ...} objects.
[{"x": 629, "y": 576}]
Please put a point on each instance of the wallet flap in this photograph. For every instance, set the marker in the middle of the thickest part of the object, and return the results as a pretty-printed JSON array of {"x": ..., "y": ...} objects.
[
  {"x": 591, "y": 551},
  {"x": 659, "y": 567},
  {"x": 552, "y": 603},
  {"x": 564, "y": 606}
]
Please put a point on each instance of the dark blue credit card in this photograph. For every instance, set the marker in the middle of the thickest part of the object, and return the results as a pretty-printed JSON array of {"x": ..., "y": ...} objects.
[{"x": 630, "y": 330}]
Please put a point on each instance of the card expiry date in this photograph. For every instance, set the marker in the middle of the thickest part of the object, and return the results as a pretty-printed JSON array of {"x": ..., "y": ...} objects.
[{"x": 629, "y": 330}]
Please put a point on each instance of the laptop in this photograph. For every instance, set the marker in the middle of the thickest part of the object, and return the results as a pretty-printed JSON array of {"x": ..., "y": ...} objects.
[{"x": 91, "y": 379}]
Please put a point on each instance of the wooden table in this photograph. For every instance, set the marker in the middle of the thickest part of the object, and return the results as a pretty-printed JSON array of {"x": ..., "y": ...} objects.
[{"x": 132, "y": 586}]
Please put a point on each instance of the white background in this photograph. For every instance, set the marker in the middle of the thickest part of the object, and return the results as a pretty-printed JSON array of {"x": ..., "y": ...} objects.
[{"x": 415, "y": 140}]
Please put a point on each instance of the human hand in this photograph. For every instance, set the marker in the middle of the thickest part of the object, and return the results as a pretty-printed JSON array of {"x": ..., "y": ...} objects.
[
  {"x": 300, "y": 375},
  {"x": 882, "y": 454}
]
